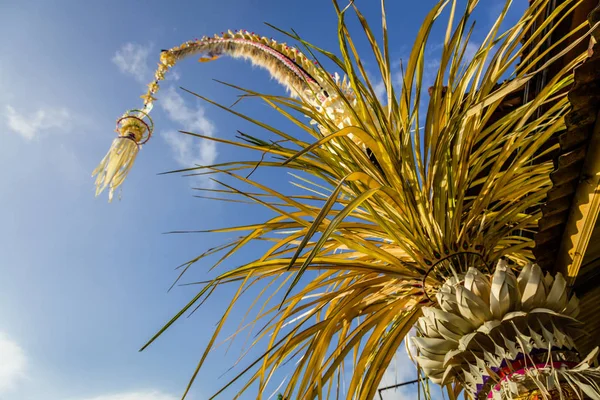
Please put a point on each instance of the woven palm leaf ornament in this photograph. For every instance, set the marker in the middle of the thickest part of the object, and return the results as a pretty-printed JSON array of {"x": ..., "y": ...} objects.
[{"x": 407, "y": 220}]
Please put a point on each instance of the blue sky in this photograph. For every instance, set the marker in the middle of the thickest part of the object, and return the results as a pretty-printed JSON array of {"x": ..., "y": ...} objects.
[{"x": 83, "y": 283}]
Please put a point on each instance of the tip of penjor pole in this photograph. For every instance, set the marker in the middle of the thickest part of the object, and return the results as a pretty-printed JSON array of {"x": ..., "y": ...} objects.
[{"x": 134, "y": 128}]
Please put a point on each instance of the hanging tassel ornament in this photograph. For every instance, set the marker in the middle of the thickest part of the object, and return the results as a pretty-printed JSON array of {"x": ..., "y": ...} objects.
[{"x": 134, "y": 128}]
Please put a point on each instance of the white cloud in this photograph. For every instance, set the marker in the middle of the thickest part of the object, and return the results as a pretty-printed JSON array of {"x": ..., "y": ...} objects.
[
  {"x": 380, "y": 91},
  {"x": 45, "y": 118},
  {"x": 139, "y": 395},
  {"x": 132, "y": 59},
  {"x": 188, "y": 151},
  {"x": 192, "y": 118},
  {"x": 470, "y": 51},
  {"x": 174, "y": 75},
  {"x": 13, "y": 363}
]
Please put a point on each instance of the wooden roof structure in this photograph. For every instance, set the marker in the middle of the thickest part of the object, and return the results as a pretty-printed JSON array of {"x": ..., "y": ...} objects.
[{"x": 568, "y": 238}]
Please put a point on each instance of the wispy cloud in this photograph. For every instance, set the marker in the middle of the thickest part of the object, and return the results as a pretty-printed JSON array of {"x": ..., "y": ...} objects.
[
  {"x": 379, "y": 88},
  {"x": 188, "y": 151},
  {"x": 193, "y": 118},
  {"x": 470, "y": 51},
  {"x": 137, "y": 395},
  {"x": 174, "y": 75},
  {"x": 13, "y": 363},
  {"x": 132, "y": 59},
  {"x": 31, "y": 125}
]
